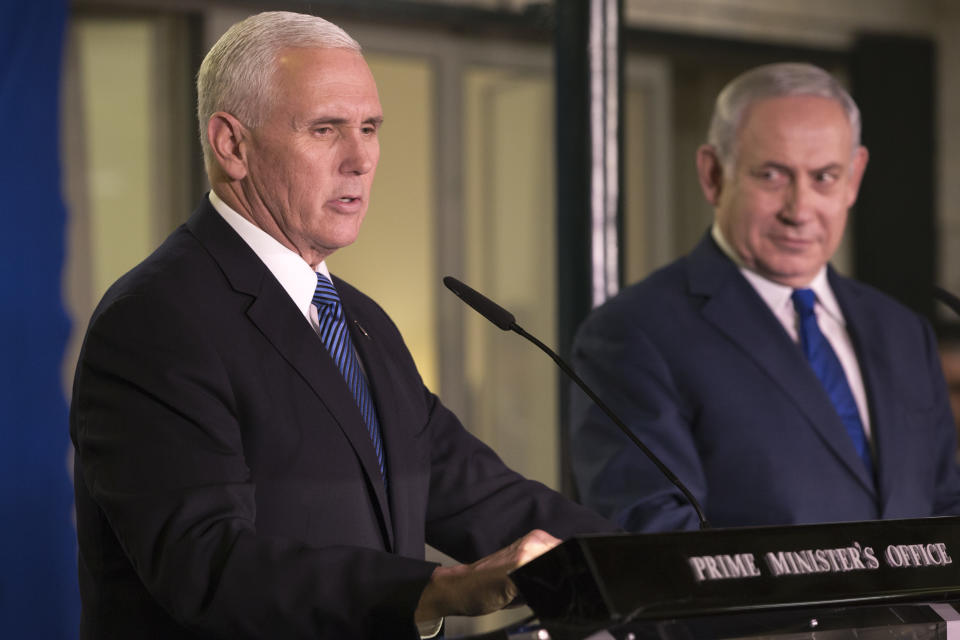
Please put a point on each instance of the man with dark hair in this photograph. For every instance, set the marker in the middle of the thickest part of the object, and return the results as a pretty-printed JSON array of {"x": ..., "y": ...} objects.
[{"x": 779, "y": 391}]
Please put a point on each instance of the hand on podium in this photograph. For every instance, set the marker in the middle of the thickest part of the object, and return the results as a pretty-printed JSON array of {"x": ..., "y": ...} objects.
[{"x": 483, "y": 586}]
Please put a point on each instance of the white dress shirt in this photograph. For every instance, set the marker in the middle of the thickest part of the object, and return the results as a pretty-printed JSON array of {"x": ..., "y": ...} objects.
[
  {"x": 829, "y": 318},
  {"x": 297, "y": 278}
]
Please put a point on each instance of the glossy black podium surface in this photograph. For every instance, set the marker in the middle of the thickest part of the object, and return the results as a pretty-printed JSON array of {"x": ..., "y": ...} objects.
[{"x": 780, "y": 582}]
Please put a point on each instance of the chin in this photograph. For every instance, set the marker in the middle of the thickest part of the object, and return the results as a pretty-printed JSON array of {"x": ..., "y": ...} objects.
[
  {"x": 342, "y": 241},
  {"x": 789, "y": 274}
]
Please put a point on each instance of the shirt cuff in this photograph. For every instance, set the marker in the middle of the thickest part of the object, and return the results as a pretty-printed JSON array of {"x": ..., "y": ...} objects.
[{"x": 430, "y": 628}]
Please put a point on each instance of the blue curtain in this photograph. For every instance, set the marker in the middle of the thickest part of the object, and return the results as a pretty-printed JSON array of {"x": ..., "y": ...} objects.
[{"x": 38, "y": 584}]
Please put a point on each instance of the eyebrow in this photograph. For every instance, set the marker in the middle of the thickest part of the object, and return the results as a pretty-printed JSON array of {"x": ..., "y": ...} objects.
[
  {"x": 334, "y": 120},
  {"x": 770, "y": 164},
  {"x": 830, "y": 167},
  {"x": 786, "y": 169}
]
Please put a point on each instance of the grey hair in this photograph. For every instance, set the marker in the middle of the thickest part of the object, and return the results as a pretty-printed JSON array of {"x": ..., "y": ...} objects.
[
  {"x": 772, "y": 81},
  {"x": 236, "y": 75}
]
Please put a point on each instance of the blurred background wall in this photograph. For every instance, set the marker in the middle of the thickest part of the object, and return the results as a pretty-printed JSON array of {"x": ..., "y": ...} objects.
[{"x": 466, "y": 184}]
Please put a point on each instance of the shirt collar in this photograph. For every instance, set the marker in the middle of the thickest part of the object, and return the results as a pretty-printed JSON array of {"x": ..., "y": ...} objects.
[
  {"x": 777, "y": 295},
  {"x": 297, "y": 278}
]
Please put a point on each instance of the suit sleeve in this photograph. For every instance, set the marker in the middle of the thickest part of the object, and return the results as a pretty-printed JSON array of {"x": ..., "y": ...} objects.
[
  {"x": 947, "y": 492},
  {"x": 160, "y": 454},
  {"x": 613, "y": 475},
  {"x": 478, "y": 505}
]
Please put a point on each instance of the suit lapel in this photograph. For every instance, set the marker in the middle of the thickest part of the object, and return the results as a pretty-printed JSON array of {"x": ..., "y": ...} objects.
[
  {"x": 876, "y": 369},
  {"x": 388, "y": 375},
  {"x": 371, "y": 348},
  {"x": 284, "y": 327},
  {"x": 736, "y": 310}
]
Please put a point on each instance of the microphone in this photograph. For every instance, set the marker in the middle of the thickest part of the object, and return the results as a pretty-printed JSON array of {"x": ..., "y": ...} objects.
[
  {"x": 505, "y": 320},
  {"x": 947, "y": 298}
]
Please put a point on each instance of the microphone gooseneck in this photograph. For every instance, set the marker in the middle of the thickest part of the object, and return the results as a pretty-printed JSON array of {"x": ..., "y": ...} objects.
[
  {"x": 506, "y": 321},
  {"x": 947, "y": 298}
]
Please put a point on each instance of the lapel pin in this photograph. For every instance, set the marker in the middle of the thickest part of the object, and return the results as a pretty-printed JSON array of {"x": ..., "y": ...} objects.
[{"x": 362, "y": 330}]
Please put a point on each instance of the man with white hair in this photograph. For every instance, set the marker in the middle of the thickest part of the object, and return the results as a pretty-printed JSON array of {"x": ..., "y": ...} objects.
[
  {"x": 779, "y": 391},
  {"x": 256, "y": 455}
]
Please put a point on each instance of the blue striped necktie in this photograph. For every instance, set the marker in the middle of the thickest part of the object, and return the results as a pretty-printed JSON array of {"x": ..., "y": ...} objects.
[
  {"x": 336, "y": 338},
  {"x": 827, "y": 366}
]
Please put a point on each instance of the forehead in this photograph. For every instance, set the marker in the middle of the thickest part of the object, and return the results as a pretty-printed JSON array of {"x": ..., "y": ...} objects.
[
  {"x": 325, "y": 75},
  {"x": 811, "y": 127}
]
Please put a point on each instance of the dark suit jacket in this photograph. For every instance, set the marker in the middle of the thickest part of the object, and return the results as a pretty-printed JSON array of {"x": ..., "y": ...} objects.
[
  {"x": 698, "y": 366},
  {"x": 226, "y": 485}
]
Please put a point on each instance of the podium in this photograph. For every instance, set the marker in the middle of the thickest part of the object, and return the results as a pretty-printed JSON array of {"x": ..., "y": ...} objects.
[{"x": 877, "y": 579}]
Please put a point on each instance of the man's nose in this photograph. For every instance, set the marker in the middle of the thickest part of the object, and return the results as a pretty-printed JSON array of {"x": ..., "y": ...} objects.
[
  {"x": 799, "y": 205},
  {"x": 359, "y": 152}
]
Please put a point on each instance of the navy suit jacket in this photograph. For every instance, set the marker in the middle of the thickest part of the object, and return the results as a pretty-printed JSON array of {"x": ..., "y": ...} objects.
[
  {"x": 226, "y": 485},
  {"x": 701, "y": 370}
]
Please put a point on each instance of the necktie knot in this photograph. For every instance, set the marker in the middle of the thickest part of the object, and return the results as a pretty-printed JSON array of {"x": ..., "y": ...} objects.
[
  {"x": 803, "y": 301},
  {"x": 325, "y": 296}
]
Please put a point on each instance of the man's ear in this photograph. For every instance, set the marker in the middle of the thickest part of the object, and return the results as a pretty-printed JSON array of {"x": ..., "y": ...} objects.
[
  {"x": 857, "y": 167},
  {"x": 228, "y": 140},
  {"x": 709, "y": 173}
]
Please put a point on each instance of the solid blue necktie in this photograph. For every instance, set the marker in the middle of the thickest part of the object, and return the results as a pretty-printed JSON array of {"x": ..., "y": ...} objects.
[
  {"x": 336, "y": 338},
  {"x": 828, "y": 369}
]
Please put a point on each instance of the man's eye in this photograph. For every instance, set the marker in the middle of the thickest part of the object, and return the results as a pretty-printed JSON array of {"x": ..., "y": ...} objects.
[
  {"x": 826, "y": 177},
  {"x": 769, "y": 174},
  {"x": 323, "y": 130}
]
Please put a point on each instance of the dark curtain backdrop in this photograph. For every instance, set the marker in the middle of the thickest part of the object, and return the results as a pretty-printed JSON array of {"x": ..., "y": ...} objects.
[{"x": 38, "y": 584}]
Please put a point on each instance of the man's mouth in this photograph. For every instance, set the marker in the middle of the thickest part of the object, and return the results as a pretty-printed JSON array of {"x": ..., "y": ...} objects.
[{"x": 347, "y": 204}]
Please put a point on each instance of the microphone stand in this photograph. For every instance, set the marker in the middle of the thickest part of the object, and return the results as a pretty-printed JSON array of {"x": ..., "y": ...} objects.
[{"x": 506, "y": 321}]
